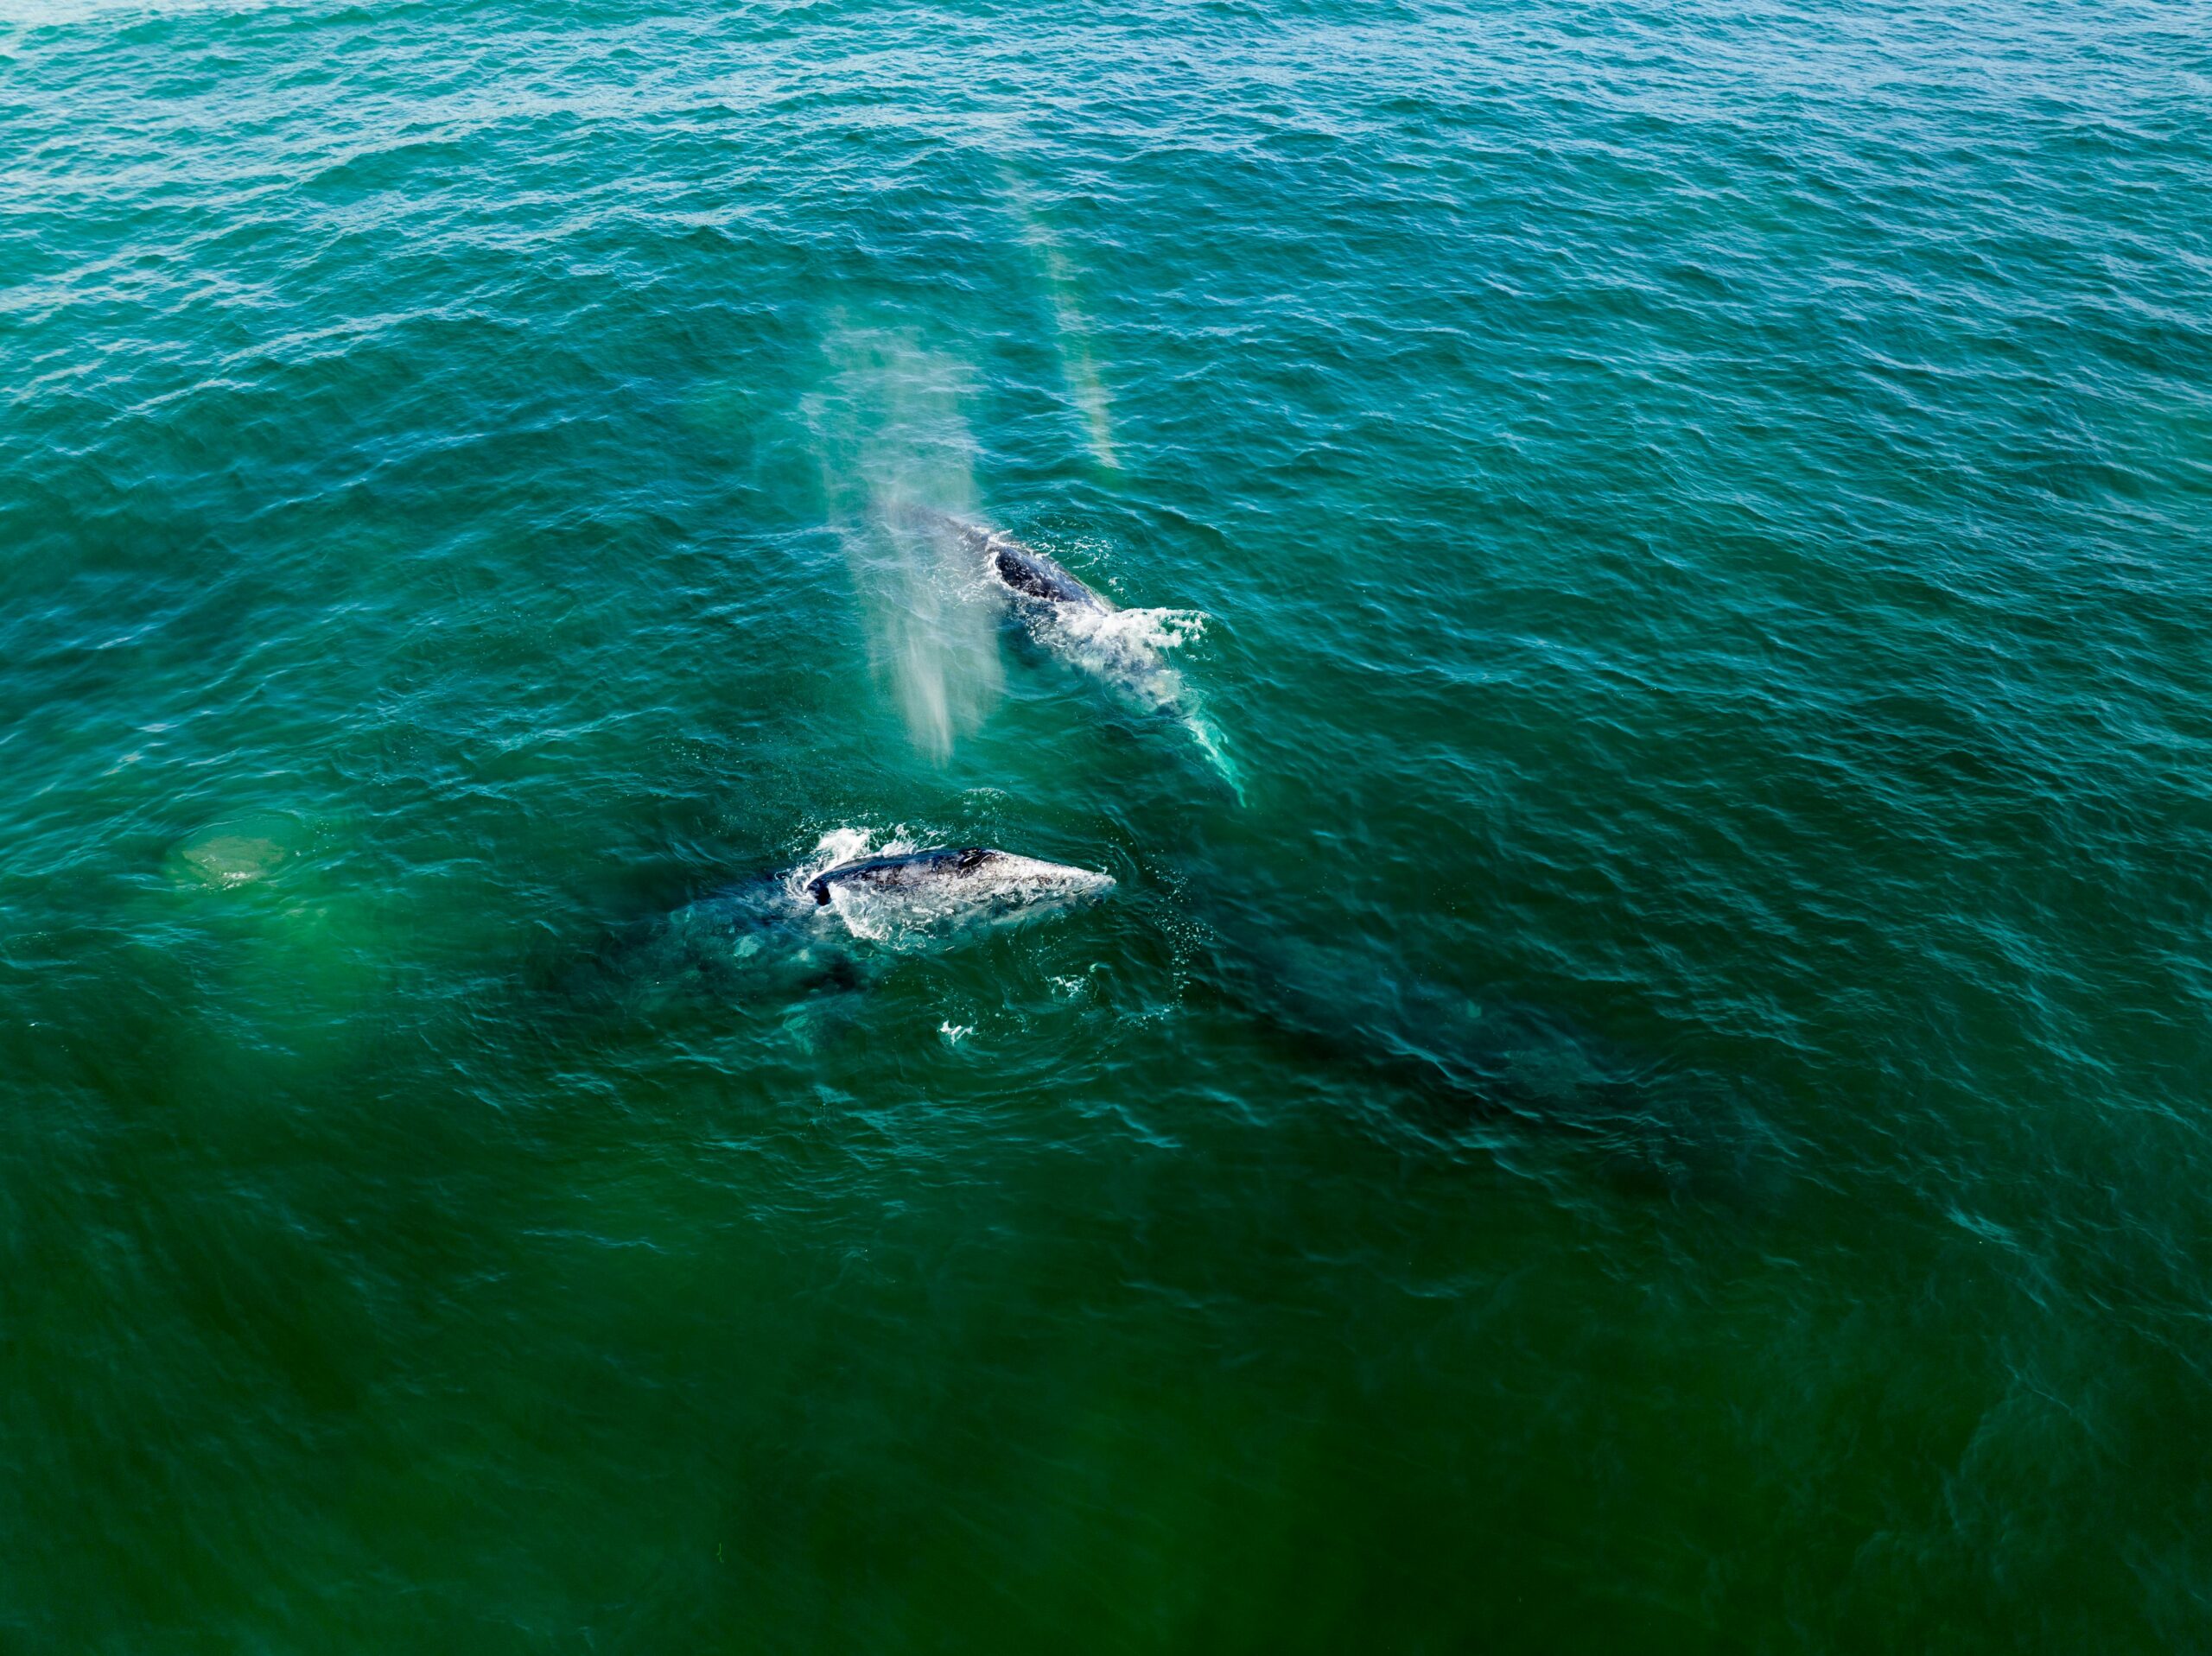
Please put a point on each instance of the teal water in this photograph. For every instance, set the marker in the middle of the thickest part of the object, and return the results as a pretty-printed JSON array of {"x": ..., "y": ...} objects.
[{"x": 1671, "y": 1115}]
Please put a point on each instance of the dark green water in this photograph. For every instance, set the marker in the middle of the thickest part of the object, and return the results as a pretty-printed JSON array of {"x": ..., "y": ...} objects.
[{"x": 1672, "y": 1116}]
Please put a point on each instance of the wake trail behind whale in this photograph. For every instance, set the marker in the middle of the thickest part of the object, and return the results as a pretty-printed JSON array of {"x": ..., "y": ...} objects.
[{"x": 1128, "y": 647}]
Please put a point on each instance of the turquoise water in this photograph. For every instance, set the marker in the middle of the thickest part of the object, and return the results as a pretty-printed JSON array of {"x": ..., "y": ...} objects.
[{"x": 1668, "y": 1115}]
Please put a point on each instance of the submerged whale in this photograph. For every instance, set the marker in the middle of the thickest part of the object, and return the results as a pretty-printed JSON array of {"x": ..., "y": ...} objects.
[
  {"x": 787, "y": 935},
  {"x": 1459, "y": 1065}
]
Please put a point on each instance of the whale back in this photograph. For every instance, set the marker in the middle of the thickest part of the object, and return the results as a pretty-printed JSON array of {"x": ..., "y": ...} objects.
[
  {"x": 903, "y": 870},
  {"x": 1022, "y": 569},
  {"x": 918, "y": 893},
  {"x": 1034, "y": 574}
]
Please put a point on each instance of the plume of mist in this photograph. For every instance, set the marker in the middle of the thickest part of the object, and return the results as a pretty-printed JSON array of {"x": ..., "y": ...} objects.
[
  {"x": 1070, "y": 327},
  {"x": 890, "y": 430}
]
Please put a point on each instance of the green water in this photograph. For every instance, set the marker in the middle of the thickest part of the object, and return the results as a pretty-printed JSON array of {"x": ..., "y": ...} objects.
[{"x": 1671, "y": 1116}]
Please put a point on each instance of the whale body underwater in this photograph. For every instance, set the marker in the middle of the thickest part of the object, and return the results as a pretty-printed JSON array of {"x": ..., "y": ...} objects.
[{"x": 806, "y": 936}]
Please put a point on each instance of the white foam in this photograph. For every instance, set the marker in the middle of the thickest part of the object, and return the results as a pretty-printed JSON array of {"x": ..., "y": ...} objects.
[
  {"x": 1125, "y": 648},
  {"x": 1141, "y": 629}
]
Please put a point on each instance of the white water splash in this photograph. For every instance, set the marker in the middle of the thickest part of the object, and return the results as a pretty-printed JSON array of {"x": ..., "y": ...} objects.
[
  {"x": 841, "y": 846},
  {"x": 1127, "y": 650}
]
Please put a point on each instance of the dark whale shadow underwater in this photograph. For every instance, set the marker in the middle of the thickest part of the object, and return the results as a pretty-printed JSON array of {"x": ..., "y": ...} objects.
[{"x": 1448, "y": 1063}]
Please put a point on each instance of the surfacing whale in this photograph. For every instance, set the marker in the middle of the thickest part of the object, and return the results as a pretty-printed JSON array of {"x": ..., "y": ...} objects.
[
  {"x": 918, "y": 895},
  {"x": 787, "y": 935},
  {"x": 1123, "y": 648}
]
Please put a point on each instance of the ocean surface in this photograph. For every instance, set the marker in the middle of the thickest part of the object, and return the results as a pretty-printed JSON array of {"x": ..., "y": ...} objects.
[{"x": 1644, "y": 1082}]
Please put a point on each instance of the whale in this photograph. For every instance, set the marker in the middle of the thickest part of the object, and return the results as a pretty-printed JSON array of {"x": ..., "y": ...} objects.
[
  {"x": 1450, "y": 1063},
  {"x": 1124, "y": 649},
  {"x": 786, "y": 935},
  {"x": 1023, "y": 570},
  {"x": 920, "y": 896}
]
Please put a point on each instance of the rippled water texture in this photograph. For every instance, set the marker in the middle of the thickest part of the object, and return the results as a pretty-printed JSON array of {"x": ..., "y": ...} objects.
[{"x": 1671, "y": 1115}]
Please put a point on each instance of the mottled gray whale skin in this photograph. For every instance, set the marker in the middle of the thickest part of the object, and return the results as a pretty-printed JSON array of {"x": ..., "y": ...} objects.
[
  {"x": 949, "y": 889},
  {"x": 780, "y": 936},
  {"x": 1034, "y": 574}
]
